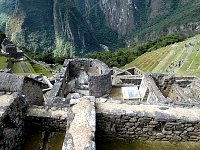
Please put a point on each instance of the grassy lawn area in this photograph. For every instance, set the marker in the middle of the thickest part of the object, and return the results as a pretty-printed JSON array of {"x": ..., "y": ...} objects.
[
  {"x": 197, "y": 73},
  {"x": 27, "y": 63},
  {"x": 3, "y": 62},
  {"x": 17, "y": 69},
  {"x": 148, "y": 61},
  {"x": 159, "y": 60},
  {"x": 40, "y": 70},
  {"x": 33, "y": 68}
]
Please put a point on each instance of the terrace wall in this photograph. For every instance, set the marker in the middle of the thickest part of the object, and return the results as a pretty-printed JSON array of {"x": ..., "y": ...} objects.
[{"x": 117, "y": 121}]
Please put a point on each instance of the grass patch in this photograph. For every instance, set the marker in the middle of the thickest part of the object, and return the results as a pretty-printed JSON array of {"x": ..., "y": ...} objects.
[
  {"x": 40, "y": 70},
  {"x": 17, "y": 69},
  {"x": 3, "y": 62},
  {"x": 27, "y": 63},
  {"x": 146, "y": 145},
  {"x": 158, "y": 61}
]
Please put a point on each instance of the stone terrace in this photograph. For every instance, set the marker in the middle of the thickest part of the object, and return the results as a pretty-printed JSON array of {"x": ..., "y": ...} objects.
[{"x": 161, "y": 113}]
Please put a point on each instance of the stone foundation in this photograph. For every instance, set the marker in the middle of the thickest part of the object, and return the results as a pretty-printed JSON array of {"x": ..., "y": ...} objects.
[
  {"x": 47, "y": 119},
  {"x": 144, "y": 122}
]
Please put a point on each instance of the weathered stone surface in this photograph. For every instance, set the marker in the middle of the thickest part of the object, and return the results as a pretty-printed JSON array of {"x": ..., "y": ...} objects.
[
  {"x": 90, "y": 146},
  {"x": 176, "y": 138},
  {"x": 68, "y": 142},
  {"x": 12, "y": 123},
  {"x": 160, "y": 135},
  {"x": 83, "y": 126},
  {"x": 190, "y": 129},
  {"x": 160, "y": 127}
]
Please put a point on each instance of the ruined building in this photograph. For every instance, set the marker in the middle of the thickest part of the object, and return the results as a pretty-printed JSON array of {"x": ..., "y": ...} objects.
[
  {"x": 9, "y": 49},
  {"x": 89, "y": 101}
]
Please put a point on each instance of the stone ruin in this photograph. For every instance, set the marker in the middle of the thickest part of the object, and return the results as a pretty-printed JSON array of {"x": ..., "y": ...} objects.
[
  {"x": 9, "y": 49},
  {"x": 87, "y": 102}
]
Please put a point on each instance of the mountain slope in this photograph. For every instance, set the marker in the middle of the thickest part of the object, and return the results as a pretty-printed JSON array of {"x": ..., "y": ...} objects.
[
  {"x": 182, "y": 20},
  {"x": 81, "y": 26},
  {"x": 141, "y": 20},
  {"x": 181, "y": 58},
  {"x": 6, "y": 10},
  {"x": 50, "y": 24}
]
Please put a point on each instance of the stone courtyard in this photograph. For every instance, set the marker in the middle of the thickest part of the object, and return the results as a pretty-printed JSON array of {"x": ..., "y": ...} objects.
[{"x": 90, "y": 101}]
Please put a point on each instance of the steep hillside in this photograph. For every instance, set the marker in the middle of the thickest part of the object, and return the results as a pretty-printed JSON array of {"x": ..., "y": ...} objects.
[
  {"x": 181, "y": 58},
  {"x": 50, "y": 24},
  {"x": 184, "y": 19},
  {"x": 6, "y": 10},
  {"x": 142, "y": 20},
  {"x": 80, "y": 26}
]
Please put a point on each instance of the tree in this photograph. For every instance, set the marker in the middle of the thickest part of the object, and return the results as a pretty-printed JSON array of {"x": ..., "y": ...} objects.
[{"x": 63, "y": 48}]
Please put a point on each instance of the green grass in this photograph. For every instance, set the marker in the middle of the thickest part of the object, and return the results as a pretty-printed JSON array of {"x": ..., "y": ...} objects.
[
  {"x": 33, "y": 68},
  {"x": 148, "y": 61},
  {"x": 3, "y": 62},
  {"x": 17, "y": 69},
  {"x": 159, "y": 60},
  {"x": 146, "y": 145},
  {"x": 27, "y": 63},
  {"x": 41, "y": 70}
]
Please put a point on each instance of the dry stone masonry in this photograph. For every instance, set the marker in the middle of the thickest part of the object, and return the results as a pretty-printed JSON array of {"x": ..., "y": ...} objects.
[
  {"x": 142, "y": 122},
  {"x": 12, "y": 114},
  {"x": 86, "y": 102}
]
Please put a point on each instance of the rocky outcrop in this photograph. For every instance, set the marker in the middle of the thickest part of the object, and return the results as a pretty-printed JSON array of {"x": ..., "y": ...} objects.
[{"x": 132, "y": 16}]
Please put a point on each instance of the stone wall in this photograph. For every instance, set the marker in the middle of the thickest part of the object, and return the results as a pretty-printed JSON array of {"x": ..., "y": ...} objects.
[
  {"x": 32, "y": 90},
  {"x": 53, "y": 119},
  {"x": 80, "y": 134},
  {"x": 116, "y": 72},
  {"x": 59, "y": 89},
  {"x": 100, "y": 85},
  {"x": 177, "y": 94},
  {"x": 155, "y": 96},
  {"x": 164, "y": 82},
  {"x": 135, "y": 71},
  {"x": 99, "y": 74},
  {"x": 144, "y": 122},
  {"x": 126, "y": 79},
  {"x": 12, "y": 124}
]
